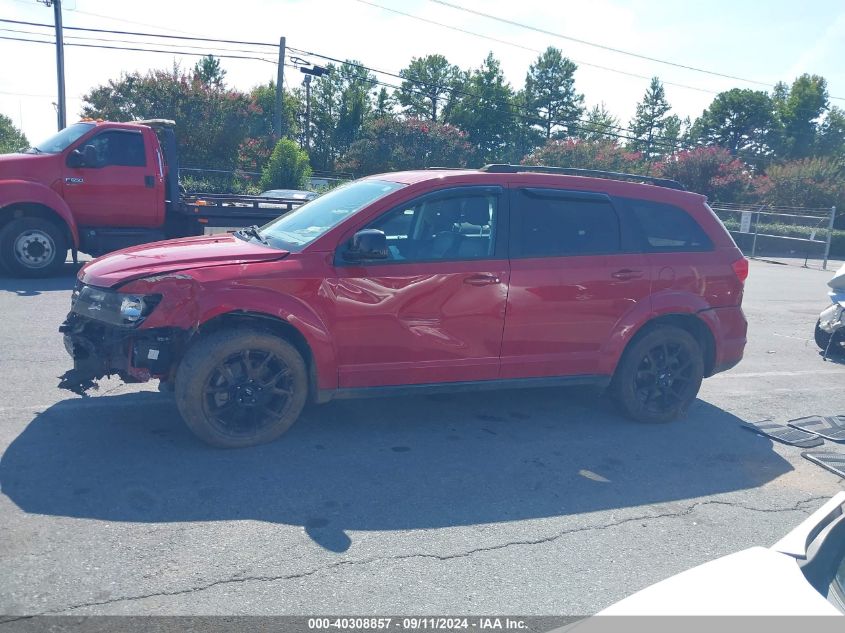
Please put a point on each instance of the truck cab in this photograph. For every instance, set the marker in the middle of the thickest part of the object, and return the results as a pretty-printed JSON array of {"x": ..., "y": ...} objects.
[{"x": 92, "y": 187}]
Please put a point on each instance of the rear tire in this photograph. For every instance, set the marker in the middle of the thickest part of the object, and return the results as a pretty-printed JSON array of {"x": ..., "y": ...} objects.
[
  {"x": 659, "y": 375},
  {"x": 33, "y": 247},
  {"x": 241, "y": 388}
]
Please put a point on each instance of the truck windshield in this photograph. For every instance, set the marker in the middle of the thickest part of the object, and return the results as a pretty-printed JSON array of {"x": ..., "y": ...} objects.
[
  {"x": 295, "y": 230},
  {"x": 59, "y": 142}
]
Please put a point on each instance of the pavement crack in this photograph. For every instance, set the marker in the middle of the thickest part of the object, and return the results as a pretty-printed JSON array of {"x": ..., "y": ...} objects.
[{"x": 797, "y": 507}]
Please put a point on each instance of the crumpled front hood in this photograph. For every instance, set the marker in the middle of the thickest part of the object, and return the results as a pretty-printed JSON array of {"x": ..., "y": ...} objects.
[{"x": 174, "y": 255}]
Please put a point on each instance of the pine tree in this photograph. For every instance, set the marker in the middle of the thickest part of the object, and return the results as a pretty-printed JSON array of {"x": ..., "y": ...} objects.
[
  {"x": 648, "y": 127},
  {"x": 550, "y": 93}
]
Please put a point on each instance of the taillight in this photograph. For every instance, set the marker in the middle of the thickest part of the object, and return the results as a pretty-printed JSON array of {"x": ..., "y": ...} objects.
[{"x": 740, "y": 267}]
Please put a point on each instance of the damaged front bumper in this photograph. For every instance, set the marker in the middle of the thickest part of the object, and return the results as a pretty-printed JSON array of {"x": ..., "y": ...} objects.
[{"x": 102, "y": 349}]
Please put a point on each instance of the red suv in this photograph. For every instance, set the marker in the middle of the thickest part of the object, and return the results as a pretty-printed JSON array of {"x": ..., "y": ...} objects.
[{"x": 418, "y": 281}]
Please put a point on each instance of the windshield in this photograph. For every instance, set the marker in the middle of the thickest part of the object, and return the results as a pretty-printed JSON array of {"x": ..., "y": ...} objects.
[
  {"x": 60, "y": 141},
  {"x": 297, "y": 229}
]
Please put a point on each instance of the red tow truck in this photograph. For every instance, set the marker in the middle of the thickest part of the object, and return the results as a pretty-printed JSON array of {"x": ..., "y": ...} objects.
[{"x": 98, "y": 186}]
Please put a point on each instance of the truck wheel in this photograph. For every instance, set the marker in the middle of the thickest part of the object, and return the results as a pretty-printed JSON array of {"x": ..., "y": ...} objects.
[
  {"x": 659, "y": 375},
  {"x": 241, "y": 388},
  {"x": 33, "y": 247}
]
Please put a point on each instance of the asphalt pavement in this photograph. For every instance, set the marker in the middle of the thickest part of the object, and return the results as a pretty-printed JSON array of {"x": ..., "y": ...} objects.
[{"x": 520, "y": 502}]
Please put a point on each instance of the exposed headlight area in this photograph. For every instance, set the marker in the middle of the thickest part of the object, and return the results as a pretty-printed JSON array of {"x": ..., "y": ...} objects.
[{"x": 110, "y": 306}]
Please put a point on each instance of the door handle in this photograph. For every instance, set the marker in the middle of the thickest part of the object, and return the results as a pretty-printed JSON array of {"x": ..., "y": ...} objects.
[
  {"x": 149, "y": 181},
  {"x": 626, "y": 274},
  {"x": 482, "y": 280}
]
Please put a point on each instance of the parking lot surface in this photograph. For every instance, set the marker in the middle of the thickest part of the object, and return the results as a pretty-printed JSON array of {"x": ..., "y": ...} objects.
[{"x": 524, "y": 502}]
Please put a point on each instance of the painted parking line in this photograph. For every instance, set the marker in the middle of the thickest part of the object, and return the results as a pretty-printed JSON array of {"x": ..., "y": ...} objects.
[{"x": 766, "y": 374}]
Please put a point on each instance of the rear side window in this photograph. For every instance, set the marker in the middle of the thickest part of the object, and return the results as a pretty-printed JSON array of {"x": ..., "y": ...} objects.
[
  {"x": 667, "y": 228},
  {"x": 551, "y": 223}
]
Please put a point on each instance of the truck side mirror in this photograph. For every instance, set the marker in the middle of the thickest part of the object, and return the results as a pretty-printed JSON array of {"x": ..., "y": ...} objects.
[
  {"x": 367, "y": 244},
  {"x": 75, "y": 159},
  {"x": 85, "y": 157}
]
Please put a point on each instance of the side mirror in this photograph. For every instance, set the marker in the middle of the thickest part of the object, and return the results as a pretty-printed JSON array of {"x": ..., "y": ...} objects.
[
  {"x": 85, "y": 157},
  {"x": 75, "y": 159},
  {"x": 367, "y": 244}
]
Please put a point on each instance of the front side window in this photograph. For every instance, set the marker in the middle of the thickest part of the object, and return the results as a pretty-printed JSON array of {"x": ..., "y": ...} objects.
[
  {"x": 62, "y": 140},
  {"x": 297, "y": 229},
  {"x": 456, "y": 225},
  {"x": 552, "y": 224},
  {"x": 121, "y": 149},
  {"x": 667, "y": 228}
]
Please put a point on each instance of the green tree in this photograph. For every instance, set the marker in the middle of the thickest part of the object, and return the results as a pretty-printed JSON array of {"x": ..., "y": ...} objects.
[
  {"x": 428, "y": 86},
  {"x": 831, "y": 135},
  {"x": 341, "y": 101},
  {"x": 209, "y": 71},
  {"x": 599, "y": 125},
  {"x": 254, "y": 151},
  {"x": 798, "y": 110},
  {"x": 581, "y": 154},
  {"x": 648, "y": 126},
  {"x": 11, "y": 138},
  {"x": 525, "y": 137},
  {"x": 739, "y": 120},
  {"x": 390, "y": 144},
  {"x": 550, "y": 93},
  {"x": 485, "y": 110},
  {"x": 288, "y": 167},
  {"x": 211, "y": 122},
  {"x": 383, "y": 106}
]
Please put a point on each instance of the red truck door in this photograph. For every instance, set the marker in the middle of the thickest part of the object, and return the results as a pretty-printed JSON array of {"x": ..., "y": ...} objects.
[{"x": 122, "y": 185}]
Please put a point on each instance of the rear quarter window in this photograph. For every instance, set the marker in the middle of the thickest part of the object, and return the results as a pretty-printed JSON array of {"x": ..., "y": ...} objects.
[{"x": 667, "y": 228}]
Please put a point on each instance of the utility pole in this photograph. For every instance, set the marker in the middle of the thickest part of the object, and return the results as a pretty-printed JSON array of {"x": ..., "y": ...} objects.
[
  {"x": 307, "y": 113},
  {"x": 61, "y": 108},
  {"x": 280, "y": 84},
  {"x": 313, "y": 71}
]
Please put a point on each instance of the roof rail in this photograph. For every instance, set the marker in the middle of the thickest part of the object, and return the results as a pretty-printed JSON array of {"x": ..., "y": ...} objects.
[{"x": 501, "y": 168}]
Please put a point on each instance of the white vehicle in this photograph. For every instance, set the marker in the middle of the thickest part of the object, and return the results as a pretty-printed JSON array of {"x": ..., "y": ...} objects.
[
  {"x": 802, "y": 574},
  {"x": 830, "y": 328}
]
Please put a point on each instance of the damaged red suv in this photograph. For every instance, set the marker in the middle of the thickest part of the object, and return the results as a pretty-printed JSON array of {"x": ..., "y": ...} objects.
[{"x": 417, "y": 281}]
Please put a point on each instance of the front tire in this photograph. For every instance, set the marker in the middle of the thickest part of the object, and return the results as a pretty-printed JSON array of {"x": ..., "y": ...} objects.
[
  {"x": 241, "y": 388},
  {"x": 33, "y": 247},
  {"x": 659, "y": 375}
]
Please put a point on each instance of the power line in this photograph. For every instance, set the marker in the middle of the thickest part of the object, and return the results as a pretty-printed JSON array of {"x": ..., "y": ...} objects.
[
  {"x": 594, "y": 44},
  {"x": 160, "y": 35},
  {"x": 528, "y": 48},
  {"x": 210, "y": 50},
  {"x": 142, "y": 50}
]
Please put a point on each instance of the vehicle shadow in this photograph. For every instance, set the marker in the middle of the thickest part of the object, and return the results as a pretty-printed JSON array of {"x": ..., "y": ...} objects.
[
  {"x": 63, "y": 280},
  {"x": 386, "y": 464}
]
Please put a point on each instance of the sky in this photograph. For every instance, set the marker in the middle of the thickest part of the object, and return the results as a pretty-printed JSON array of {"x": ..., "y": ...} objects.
[{"x": 763, "y": 41}]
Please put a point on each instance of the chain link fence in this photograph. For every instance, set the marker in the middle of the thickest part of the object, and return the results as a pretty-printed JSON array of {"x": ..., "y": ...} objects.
[{"x": 795, "y": 232}]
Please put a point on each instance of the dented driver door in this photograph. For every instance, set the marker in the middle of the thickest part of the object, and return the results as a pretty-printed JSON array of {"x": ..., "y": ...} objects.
[{"x": 434, "y": 310}]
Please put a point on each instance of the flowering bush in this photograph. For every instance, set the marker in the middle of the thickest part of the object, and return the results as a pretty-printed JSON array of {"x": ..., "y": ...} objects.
[
  {"x": 605, "y": 155},
  {"x": 390, "y": 144},
  {"x": 711, "y": 171}
]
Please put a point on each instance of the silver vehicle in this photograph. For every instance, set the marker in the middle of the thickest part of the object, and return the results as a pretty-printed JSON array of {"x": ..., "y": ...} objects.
[
  {"x": 802, "y": 574},
  {"x": 830, "y": 328}
]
